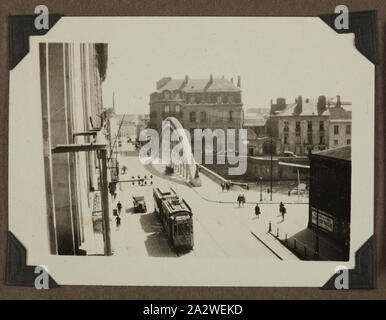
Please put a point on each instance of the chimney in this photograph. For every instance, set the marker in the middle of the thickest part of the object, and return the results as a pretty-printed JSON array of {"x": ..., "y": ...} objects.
[
  {"x": 238, "y": 81},
  {"x": 299, "y": 105},
  {"x": 321, "y": 106},
  {"x": 186, "y": 79},
  {"x": 280, "y": 103},
  {"x": 338, "y": 103},
  {"x": 211, "y": 78},
  {"x": 232, "y": 80}
]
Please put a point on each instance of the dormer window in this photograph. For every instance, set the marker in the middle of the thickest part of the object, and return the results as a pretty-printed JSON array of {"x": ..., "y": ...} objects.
[
  {"x": 219, "y": 99},
  {"x": 167, "y": 95}
]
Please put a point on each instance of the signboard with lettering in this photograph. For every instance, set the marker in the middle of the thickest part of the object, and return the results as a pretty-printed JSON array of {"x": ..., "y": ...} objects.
[{"x": 325, "y": 221}]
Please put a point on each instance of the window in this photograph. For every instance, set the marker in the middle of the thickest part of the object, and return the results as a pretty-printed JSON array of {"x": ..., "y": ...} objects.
[
  {"x": 230, "y": 115},
  {"x": 297, "y": 126},
  {"x": 348, "y": 141},
  {"x": 321, "y": 139},
  {"x": 178, "y": 109},
  {"x": 192, "y": 99},
  {"x": 335, "y": 142},
  {"x": 177, "y": 95},
  {"x": 192, "y": 116},
  {"x": 167, "y": 95},
  {"x": 309, "y": 126},
  {"x": 230, "y": 99},
  {"x": 336, "y": 129},
  {"x": 286, "y": 139},
  {"x": 219, "y": 99},
  {"x": 203, "y": 116},
  {"x": 321, "y": 125},
  {"x": 309, "y": 138},
  {"x": 348, "y": 129},
  {"x": 167, "y": 108}
]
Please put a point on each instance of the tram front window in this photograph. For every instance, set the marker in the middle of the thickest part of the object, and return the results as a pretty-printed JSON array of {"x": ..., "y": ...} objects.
[{"x": 183, "y": 229}]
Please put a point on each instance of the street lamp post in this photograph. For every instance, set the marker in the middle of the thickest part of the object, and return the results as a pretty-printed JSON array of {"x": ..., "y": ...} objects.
[{"x": 261, "y": 189}]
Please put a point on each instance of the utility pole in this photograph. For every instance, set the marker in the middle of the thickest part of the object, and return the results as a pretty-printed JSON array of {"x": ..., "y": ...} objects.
[{"x": 105, "y": 203}]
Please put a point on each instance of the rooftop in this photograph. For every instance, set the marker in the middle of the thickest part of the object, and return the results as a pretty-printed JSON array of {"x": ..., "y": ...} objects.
[
  {"x": 198, "y": 85},
  {"x": 309, "y": 107},
  {"x": 255, "y": 121},
  {"x": 338, "y": 113},
  {"x": 342, "y": 153}
]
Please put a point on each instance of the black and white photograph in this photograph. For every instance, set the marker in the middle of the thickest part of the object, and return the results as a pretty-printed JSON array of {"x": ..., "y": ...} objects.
[{"x": 192, "y": 151}]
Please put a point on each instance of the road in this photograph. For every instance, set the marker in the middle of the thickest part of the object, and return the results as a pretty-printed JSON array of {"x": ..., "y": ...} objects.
[{"x": 220, "y": 230}]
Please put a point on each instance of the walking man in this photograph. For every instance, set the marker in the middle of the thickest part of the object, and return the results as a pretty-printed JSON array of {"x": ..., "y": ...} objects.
[
  {"x": 118, "y": 221},
  {"x": 119, "y": 207},
  {"x": 239, "y": 199},
  {"x": 257, "y": 210},
  {"x": 282, "y": 210},
  {"x": 222, "y": 186}
]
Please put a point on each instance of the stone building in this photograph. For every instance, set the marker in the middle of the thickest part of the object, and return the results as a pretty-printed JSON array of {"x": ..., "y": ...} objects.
[
  {"x": 74, "y": 135},
  {"x": 130, "y": 125},
  {"x": 340, "y": 127},
  {"x": 306, "y": 125},
  {"x": 213, "y": 103}
]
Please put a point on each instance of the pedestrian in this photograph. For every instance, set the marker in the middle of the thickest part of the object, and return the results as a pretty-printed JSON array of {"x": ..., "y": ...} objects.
[
  {"x": 222, "y": 186},
  {"x": 239, "y": 200},
  {"x": 282, "y": 210},
  {"x": 119, "y": 207},
  {"x": 227, "y": 186},
  {"x": 257, "y": 210},
  {"x": 243, "y": 199},
  {"x": 118, "y": 221}
]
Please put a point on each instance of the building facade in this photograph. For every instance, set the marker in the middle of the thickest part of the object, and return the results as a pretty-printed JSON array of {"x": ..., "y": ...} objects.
[
  {"x": 71, "y": 98},
  {"x": 130, "y": 125},
  {"x": 302, "y": 126},
  {"x": 339, "y": 128},
  {"x": 213, "y": 103},
  {"x": 311, "y": 125}
]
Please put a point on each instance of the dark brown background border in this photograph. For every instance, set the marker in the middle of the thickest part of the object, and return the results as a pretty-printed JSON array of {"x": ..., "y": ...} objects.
[{"x": 194, "y": 8}]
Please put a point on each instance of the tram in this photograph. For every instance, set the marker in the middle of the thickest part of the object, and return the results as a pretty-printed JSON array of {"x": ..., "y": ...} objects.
[{"x": 176, "y": 217}]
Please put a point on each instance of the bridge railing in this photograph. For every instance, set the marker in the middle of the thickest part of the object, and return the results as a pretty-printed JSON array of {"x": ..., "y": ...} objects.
[{"x": 219, "y": 179}]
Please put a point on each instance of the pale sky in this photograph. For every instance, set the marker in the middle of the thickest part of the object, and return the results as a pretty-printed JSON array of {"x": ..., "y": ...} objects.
[{"x": 275, "y": 57}]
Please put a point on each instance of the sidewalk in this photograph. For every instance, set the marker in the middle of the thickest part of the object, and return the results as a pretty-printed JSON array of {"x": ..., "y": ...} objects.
[{"x": 327, "y": 249}]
